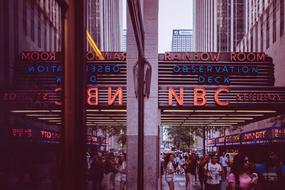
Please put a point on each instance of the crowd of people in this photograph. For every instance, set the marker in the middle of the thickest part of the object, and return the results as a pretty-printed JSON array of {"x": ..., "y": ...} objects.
[
  {"x": 103, "y": 168},
  {"x": 239, "y": 173}
]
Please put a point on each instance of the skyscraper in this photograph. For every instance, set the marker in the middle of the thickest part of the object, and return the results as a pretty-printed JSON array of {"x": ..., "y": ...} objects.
[
  {"x": 219, "y": 24},
  {"x": 182, "y": 40},
  {"x": 124, "y": 40},
  {"x": 104, "y": 23},
  {"x": 264, "y": 32}
]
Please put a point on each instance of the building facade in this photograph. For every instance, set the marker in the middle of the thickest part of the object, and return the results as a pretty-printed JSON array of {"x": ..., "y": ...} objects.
[
  {"x": 218, "y": 25},
  {"x": 264, "y": 32},
  {"x": 182, "y": 40},
  {"x": 124, "y": 40}
]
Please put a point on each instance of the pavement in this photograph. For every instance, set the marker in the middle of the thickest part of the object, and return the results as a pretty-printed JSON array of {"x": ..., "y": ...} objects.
[{"x": 179, "y": 182}]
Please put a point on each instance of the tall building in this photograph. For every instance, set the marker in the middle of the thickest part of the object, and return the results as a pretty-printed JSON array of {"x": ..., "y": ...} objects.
[
  {"x": 264, "y": 32},
  {"x": 105, "y": 23},
  {"x": 93, "y": 21},
  {"x": 27, "y": 26},
  {"x": 124, "y": 40},
  {"x": 218, "y": 25},
  {"x": 182, "y": 40}
]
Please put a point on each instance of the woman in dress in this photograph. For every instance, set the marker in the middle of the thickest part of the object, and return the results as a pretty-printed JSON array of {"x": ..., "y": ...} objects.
[
  {"x": 169, "y": 171},
  {"x": 122, "y": 170}
]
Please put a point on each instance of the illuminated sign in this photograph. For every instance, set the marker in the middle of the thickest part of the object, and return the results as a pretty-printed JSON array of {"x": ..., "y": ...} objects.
[
  {"x": 106, "y": 80},
  {"x": 35, "y": 135},
  {"x": 56, "y": 56},
  {"x": 258, "y": 97},
  {"x": 256, "y": 137},
  {"x": 211, "y": 142},
  {"x": 199, "y": 96},
  {"x": 213, "y": 68},
  {"x": 22, "y": 132},
  {"x": 47, "y": 67},
  {"x": 214, "y": 56},
  {"x": 232, "y": 139},
  {"x": 262, "y": 136},
  {"x": 218, "y": 96},
  {"x": 220, "y": 141}
]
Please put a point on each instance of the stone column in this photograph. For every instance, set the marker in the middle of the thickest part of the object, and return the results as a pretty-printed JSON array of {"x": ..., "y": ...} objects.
[
  {"x": 151, "y": 111},
  {"x": 132, "y": 109}
]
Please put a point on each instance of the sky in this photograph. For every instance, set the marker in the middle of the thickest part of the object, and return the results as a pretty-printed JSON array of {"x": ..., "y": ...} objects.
[{"x": 173, "y": 14}]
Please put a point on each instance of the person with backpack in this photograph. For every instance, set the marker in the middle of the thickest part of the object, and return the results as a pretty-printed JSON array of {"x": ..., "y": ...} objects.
[
  {"x": 213, "y": 172},
  {"x": 272, "y": 173},
  {"x": 242, "y": 176}
]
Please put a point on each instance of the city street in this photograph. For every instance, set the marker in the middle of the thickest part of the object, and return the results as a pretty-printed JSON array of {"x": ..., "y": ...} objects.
[{"x": 142, "y": 94}]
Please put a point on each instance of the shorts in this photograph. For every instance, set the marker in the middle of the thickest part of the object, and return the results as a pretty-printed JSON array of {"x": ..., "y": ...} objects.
[
  {"x": 169, "y": 177},
  {"x": 123, "y": 177}
]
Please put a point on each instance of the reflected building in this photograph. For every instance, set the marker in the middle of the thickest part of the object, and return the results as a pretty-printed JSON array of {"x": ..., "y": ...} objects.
[
  {"x": 105, "y": 23},
  {"x": 218, "y": 25},
  {"x": 27, "y": 26}
]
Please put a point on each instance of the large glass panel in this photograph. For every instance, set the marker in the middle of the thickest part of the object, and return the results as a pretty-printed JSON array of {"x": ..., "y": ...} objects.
[{"x": 30, "y": 95}]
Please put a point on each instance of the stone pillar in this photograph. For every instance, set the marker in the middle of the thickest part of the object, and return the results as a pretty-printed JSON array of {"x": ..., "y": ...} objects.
[
  {"x": 132, "y": 109},
  {"x": 151, "y": 111}
]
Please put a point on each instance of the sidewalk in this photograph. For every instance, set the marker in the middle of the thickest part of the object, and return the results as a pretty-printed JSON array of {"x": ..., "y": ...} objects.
[{"x": 179, "y": 183}]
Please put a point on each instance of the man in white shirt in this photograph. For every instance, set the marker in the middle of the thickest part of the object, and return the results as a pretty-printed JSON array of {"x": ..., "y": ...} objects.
[
  {"x": 224, "y": 162},
  {"x": 213, "y": 173}
]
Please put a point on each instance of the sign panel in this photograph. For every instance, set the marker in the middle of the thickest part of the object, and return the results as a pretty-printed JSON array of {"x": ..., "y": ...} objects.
[
  {"x": 211, "y": 142},
  {"x": 35, "y": 135},
  {"x": 232, "y": 139},
  {"x": 219, "y": 96},
  {"x": 220, "y": 141},
  {"x": 209, "y": 68}
]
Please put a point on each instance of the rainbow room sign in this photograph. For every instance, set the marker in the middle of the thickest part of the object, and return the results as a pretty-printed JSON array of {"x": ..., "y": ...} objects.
[
  {"x": 190, "y": 80},
  {"x": 211, "y": 79},
  {"x": 38, "y": 77},
  {"x": 210, "y": 68}
]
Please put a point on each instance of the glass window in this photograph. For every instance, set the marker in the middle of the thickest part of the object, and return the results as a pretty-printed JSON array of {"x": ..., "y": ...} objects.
[
  {"x": 274, "y": 21},
  {"x": 32, "y": 20},
  {"x": 267, "y": 29},
  {"x": 281, "y": 17}
]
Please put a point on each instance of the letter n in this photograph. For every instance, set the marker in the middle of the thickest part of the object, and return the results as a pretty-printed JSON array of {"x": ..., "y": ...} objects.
[
  {"x": 118, "y": 93},
  {"x": 179, "y": 99}
]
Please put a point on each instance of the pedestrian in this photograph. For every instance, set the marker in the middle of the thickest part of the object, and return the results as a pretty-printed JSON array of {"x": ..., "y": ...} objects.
[
  {"x": 190, "y": 171},
  {"x": 122, "y": 170},
  {"x": 96, "y": 172},
  {"x": 224, "y": 162},
  {"x": 110, "y": 170},
  {"x": 272, "y": 173},
  {"x": 201, "y": 164},
  {"x": 213, "y": 172},
  {"x": 169, "y": 170},
  {"x": 242, "y": 176}
]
